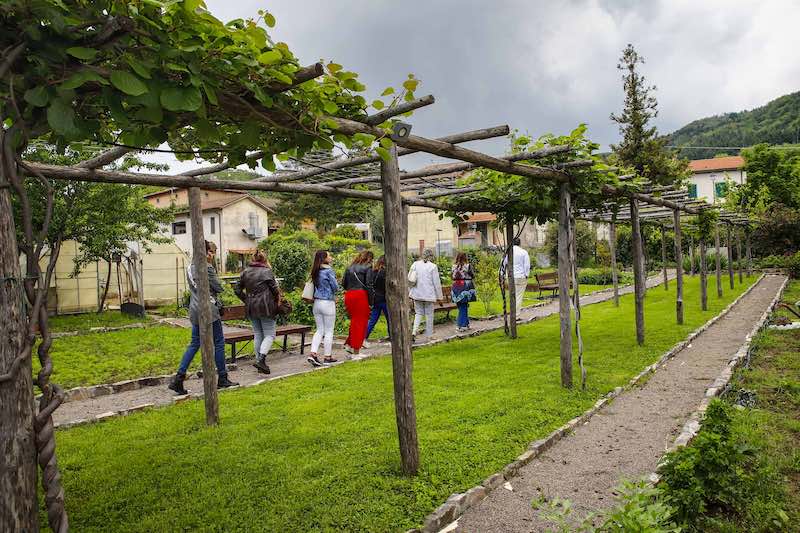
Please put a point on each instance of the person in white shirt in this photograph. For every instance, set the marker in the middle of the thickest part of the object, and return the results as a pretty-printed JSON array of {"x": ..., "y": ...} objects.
[
  {"x": 426, "y": 289},
  {"x": 522, "y": 269}
]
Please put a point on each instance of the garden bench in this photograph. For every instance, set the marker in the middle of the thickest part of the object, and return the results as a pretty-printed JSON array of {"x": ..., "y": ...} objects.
[
  {"x": 445, "y": 304},
  {"x": 547, "y": 281},
  {"x": 235, "y": 336}
]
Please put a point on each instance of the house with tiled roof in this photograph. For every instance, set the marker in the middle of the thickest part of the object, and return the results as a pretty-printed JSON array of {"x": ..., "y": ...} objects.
[
  {"x": 235, "y": 221},
  {"x": 710, "y": 177}
]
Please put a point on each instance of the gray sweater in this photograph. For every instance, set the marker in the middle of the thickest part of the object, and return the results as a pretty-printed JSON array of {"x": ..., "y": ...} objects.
[{"x": 194, "y": 301}]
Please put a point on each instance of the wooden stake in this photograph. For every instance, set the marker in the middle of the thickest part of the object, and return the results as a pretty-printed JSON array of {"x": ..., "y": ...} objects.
[
  {"x": 612, "y": 246},
  {"x": 718, "y": 261},
  {"x": 664, "y": 256},
  {"x": 729, "y": 244},
  {"x": 676, "y": 217},
  {"x": 512, "y": 289},
  {"x": 703, "y": 276},
  {"x": 563, "y": 285},
  {"x": 691, "y": 254},
  {"x": 200, "y": 268},
  {"x": 638, "y": 267},
  {"x": 395, "y": 218}
]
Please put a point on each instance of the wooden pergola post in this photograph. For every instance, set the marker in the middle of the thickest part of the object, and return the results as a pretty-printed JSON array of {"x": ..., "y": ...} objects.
[
  {"x": 564, "y": 271},
  {"x": 703, "y": 275},
  {"x": 739, "y": 254},
  {"x": 664, "y": 256},
  {"x": 691, "y": 254},
  {"x": 576, "y": 296},
  {"x": 749, "y": 253},
  {"x": 729, "y": 244},
  {"x": 612, "y": 248},
  {"x": 718, "y": 261},
  {"x": 395, "y": 219},
  {"x": 676, "y": 217},
  {"x": 512, "y": 288},
  {"x": 638, "y": 267},
  {"x": 200, "y": 268}
]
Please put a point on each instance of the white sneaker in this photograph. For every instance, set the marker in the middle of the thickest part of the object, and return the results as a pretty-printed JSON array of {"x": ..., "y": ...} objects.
[
  {"x": 366, "y": 345},
  {"x": 348, "y": 348}
]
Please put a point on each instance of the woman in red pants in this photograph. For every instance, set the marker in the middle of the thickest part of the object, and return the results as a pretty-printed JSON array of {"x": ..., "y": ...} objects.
[{"x": 356, "y": 300}]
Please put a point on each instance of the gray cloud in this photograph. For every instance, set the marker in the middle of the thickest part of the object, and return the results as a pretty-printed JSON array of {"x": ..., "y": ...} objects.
[{"x": 547, "y": 66}]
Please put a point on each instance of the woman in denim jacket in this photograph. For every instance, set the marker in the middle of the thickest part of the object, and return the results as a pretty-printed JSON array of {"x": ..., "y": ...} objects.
[{"x": 325, "y": 289}]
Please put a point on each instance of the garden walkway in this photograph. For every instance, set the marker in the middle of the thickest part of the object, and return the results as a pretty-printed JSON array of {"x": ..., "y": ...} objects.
[
  {"x": 626, "y": 439},
  {"x": 292, "y": 363}
]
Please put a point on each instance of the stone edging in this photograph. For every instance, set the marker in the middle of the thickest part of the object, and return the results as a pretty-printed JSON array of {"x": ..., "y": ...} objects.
[
  {"x": 721, "y": 384},
  {"x": 458, "y": 503}
]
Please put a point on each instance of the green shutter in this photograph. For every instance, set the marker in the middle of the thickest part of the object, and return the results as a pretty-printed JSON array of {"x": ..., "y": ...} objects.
[
  {"x": 692, "y": 190},
  {"x": 721, "y": 189}
]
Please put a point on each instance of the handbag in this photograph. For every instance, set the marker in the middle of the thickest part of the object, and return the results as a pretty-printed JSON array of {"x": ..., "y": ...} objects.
[
  {"x": 308, "y": 292},
  {"x": 412, "y": 277},
  {"x": 284, "y": 306}
]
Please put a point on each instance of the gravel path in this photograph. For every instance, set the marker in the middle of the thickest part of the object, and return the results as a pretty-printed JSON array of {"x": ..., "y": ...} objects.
[
  {"x": 625, "y": 439},
  {"x": 292, "y": 363}
]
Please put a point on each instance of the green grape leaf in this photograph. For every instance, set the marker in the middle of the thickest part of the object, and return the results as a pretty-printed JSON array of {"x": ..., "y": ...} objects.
[
  {"x": 268, "y": 58},
  {"x": 37, "y": 96},
  {"x": 377, "y": 104},
  {"x": 82, "y": 53},
  {"x": 128, "y": 83},
  {"x": 181, "y": 98}
]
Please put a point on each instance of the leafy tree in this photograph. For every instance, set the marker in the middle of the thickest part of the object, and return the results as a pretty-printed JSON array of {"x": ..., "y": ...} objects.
[
  {"x": 291, "y": 262},
  {"x": 324, "y": 211},
  {"x": 486, "y": 265},
  {"x": 585, "y": 238},
  {"x": 641, "y": 148},
  {"x": 773, "y": 177}
]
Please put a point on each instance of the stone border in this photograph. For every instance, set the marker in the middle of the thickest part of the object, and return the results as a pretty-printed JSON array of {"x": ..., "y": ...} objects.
[
  {"x": 102, "y": 329},
  {"x": 458, "y": 503},
  {"x": 722, "y": 383}
]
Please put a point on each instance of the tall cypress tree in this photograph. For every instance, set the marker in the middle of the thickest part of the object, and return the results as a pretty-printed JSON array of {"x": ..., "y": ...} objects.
[{"x": 641, "y": 147}]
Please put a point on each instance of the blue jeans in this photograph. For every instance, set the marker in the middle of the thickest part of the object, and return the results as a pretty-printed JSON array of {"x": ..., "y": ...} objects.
[
  {"x": 375, "y": 315},
  {"x": 463, "y": 314},
  {"x": 194, "y": 346},
  {"x": 263, "y": 336}
]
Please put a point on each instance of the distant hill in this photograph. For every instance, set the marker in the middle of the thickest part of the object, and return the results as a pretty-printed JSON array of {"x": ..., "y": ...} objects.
[{"x": 778, "y": 122}]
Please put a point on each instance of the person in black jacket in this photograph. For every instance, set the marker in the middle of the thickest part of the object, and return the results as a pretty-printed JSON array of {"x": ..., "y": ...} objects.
[
  {"x": 378, "y": 285},
  {"x": 356, "y": 299},
  {"x": 258, "y": 290}
]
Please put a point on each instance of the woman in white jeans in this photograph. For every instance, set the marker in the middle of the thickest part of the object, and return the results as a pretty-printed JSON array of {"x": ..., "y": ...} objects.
[
  {"x": 325, "y": 289},
  {"x": 426, "y": 289}
]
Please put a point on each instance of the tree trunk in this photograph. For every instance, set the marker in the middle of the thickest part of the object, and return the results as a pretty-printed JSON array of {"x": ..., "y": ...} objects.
[
  {"x": 200, "y": 267},
  {"x": 718, "y": 261},
  {"x": 576, "y": 296},
  {"x": 729, "y": 244},
  {"x": 664, "y": 256},
  {"x": 564, "y": 270},
  {"x": 105, "y": 289},
  {"x": 18, "y": 473},
  {"x": 703, "y": 276},
  {"x": 395, "y": 218},
  {"x": 638, "y": 267},
  {"x": 612, "y": 246},
  {"x": 676, "y": 217},
  {"x": 512, "y": 288}
]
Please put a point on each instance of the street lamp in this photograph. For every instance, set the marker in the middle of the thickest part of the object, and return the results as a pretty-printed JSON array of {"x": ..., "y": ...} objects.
[{"x": 438, "y": 245}]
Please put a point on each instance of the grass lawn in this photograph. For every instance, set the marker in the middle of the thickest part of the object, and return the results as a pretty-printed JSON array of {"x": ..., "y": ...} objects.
[
  {"x": 318, "y": 452},
  {"x": 86, "y": 321},
  {"x": 96, "y": 358}
]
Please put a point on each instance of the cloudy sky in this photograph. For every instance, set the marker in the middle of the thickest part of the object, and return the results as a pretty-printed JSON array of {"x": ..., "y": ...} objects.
[{"x": 546, "y": 66}]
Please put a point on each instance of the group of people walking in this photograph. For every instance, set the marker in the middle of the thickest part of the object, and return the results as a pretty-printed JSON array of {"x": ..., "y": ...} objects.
[{"x": 364, "y": 286}]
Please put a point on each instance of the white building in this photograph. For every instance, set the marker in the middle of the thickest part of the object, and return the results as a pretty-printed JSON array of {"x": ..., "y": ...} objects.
[
  {"x": 709, "y": 176},
  {"x": 233, "y": 220}
]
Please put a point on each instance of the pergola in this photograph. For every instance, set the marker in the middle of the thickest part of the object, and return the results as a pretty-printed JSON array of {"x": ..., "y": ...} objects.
[{"x": 355, "y": 177}]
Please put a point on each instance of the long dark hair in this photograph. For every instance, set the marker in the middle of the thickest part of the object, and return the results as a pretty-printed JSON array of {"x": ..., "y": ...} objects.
[
  {"x": 363, "y": 258},
  {"x": 461, "y": 259},
  {"x": 319, "y": 260},
  {"x": 380, "y": 264}
]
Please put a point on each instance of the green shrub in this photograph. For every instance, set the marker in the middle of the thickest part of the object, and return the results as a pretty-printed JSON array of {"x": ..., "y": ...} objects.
[
  {"x": 486, "y": 268},
  {"x": 347, "y": 231},
  {"x": 793, "y": 263},
  {"x": 720, "y": 473},
  {"x": 602, "y": 276},
  {"x": 232, "y": 263},
  {"x": 307, "y": 238},
  {"x": 774, "y": 261},
  {"x": 290, "y": 261},
  {"x": 445, "y": 266},
  {"x": 336, "y": 244},
  {"x": 585, "y": 238}
]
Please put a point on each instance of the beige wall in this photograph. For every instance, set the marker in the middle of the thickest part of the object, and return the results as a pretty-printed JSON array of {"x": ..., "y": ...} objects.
[
  {"x": 181, "y": 197},
  {"x": 422, "y": 225},
  {"x": 234, "y": 219}
]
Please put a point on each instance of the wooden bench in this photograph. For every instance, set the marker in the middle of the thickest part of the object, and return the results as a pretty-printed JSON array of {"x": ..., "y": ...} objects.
[
  {"x": 547, "y": 281},
  {"x": 446, "y": 304},
  {"x": 246, "y": 336}
]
